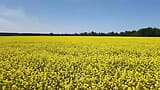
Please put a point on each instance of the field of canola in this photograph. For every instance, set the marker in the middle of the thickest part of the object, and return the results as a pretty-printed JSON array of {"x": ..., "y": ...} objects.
[{"x": 79, "y": 63}]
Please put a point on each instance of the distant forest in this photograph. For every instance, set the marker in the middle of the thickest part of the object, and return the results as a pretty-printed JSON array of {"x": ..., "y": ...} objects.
[{"x": 145, "y": 32}]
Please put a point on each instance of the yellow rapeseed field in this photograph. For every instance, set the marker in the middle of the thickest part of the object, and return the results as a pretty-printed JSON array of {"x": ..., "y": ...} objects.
[{"x": 79, "y": 63}]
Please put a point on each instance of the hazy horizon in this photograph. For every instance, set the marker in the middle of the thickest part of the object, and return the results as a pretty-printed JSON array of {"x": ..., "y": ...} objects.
[{"x": 74, "y": 16}]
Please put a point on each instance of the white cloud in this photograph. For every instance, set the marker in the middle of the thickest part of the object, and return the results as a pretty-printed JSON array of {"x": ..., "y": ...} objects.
[
  {"x": 17, "y": 12},
  {"x": 17, "y": 20}
]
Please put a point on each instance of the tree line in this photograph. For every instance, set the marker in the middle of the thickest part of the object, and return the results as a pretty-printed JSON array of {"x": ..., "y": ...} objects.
[{"x": 145, "y": 32}]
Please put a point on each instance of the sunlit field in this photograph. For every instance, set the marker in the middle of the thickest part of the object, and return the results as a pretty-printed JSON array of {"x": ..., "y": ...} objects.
[{"x": 94, "y": 63}]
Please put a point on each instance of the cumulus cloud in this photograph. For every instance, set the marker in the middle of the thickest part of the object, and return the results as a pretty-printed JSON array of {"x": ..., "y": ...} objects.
[{"x": 17, "y": 20}]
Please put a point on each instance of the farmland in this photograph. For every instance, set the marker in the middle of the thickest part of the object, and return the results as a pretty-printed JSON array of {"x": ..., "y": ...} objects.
[{"x": 94, "y": 63}]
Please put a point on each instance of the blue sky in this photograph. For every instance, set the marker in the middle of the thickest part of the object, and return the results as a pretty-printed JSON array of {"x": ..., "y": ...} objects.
[{"x": 70, "y": 16}]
